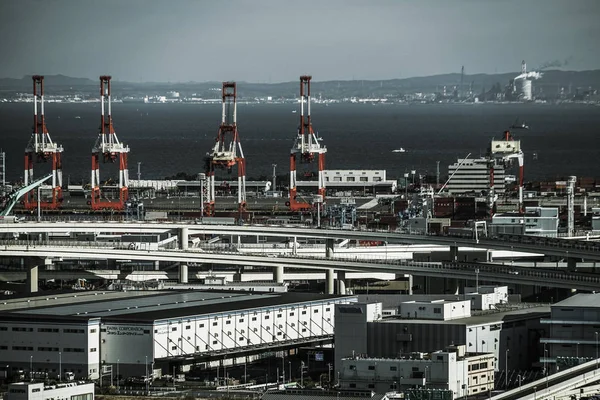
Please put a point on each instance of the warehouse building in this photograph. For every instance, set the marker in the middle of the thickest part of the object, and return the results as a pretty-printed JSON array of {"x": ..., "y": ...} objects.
[
  {"x": 510, "y": 333},
  {"x": 134, "y": 332}
]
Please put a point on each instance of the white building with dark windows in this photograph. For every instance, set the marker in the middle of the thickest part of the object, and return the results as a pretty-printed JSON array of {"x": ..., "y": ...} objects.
[
  {"x": 510, "y": 333},
  {"x": 131, "y": 331},
  {"x": 41, "y": 391},
  {"x": 451, "y": 369},
  {"x": 473, "y": 175}
]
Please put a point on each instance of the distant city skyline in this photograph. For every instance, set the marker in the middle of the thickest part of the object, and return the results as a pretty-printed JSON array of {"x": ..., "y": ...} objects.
[{"x": 270, "y": 41}]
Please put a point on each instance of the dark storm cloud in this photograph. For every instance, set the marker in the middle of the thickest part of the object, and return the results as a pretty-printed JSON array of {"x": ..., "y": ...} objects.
[{"x": 275, "y": 40}]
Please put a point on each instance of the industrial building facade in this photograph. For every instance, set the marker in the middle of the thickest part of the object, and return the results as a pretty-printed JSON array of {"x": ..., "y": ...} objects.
[
  {"x": 572, "y": 332},
  {"x": 511, "y": 336},
  {"x": 451, "y": 369},
  {"x": 473, "y": 175},
  {"x": 136, "y": 332}
]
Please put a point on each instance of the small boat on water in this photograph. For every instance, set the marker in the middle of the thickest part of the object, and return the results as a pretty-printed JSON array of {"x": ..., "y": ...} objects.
[{"x": 400, "y": 150}]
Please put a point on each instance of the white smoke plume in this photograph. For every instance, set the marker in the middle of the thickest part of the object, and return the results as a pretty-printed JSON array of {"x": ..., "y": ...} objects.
[{"x": 530, "y": 75}]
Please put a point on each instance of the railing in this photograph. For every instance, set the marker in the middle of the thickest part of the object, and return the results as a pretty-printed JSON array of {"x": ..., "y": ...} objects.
[{"x": 517, "y": 272}]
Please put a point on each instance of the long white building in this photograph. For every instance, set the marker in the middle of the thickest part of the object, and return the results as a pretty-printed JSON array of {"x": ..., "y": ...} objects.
[
  {"x": 41, "y": 391},
  {"x": 138, "y": 331}
]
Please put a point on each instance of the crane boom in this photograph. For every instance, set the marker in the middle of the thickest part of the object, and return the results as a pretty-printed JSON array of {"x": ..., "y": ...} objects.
[{"x": 14, "y": 197}]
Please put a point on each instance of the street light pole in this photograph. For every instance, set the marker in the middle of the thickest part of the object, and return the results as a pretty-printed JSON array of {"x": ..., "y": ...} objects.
[
  {"x": 60, "y": 366},
  {"x": 31, "y": 365},
  {"x": 596, "y": 333},
  {"x": 506, "y": 369}
]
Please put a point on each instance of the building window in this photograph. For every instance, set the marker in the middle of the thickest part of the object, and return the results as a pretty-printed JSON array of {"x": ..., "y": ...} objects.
[
  {"x": 437, "y": 310},
  {"x": 214, "y": 324},
  {"x": 393, "y": 368},
  {"x": 227, "y": 322},
  {"x": 187, "y": 327},
  {"x": 73, "y": 331},
  {"x": 303, "y": 312},
  {"x": 266, "y": 317},
  {"x": 316, "y": 311},
  {"x": 201, "y": 325},
  {"x": 371, "y": 386},
  {"x": 241, "y": 320},
  {"x": 92, "y": 350},
  {"x": 352, "y": 385},
  {"x": 174, "y": 348},
  {"x": 371, "y": 368},
  {"x": 173, "y": 329},
  {"x": 253, "y": 318},
  {"x": 214, "y": 342}
]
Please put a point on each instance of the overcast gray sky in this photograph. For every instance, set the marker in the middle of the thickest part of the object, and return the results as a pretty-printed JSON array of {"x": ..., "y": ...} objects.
[{"x": 277, "y": 40}]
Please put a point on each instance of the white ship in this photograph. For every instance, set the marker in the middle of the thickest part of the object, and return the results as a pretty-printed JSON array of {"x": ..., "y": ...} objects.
[{"x": 400, "y": 150}]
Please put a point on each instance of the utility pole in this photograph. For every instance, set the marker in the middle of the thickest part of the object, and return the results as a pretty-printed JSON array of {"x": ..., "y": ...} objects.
[
  {"x": 274, "y": 177},
  {"x": 437, "y": 175}
]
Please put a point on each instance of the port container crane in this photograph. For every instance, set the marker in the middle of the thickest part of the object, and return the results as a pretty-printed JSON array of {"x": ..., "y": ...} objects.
[
  {"x": 227, "y": 151},
  {"x": 306, "y": 147},
  {"x": 41, "y": 148},
  {"x": 112, "y": 150}
]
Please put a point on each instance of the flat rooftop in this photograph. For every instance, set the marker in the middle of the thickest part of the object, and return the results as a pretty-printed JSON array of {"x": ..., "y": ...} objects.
[
  {"x": 148, "y": 306},
  {"x": 591, "y": 300},
  {"x": 479, "y": 319}
]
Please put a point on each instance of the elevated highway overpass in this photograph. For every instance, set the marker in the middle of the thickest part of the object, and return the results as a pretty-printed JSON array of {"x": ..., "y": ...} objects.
[
  {"x": 576, "y": 249},
  {"x": 457, "y": 270}
]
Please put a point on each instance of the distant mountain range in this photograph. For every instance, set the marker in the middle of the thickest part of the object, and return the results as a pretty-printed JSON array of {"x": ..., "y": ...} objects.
[{"x": 551, "y": 82}]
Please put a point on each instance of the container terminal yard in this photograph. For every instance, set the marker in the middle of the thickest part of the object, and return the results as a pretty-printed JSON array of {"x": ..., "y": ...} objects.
[{"x": 473, "y": 286}]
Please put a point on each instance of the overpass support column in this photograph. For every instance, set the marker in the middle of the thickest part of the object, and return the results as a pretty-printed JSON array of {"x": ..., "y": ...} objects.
[
  {"x": 278, "y": 274},
  {"x": 453, "y": 253},
  {"x": 341, "y": 278},
  {"x": 409, "y": 282},
  {"x": 32, "y": 278},
  {"x": 183, "y": 273},
  {"x": 157, "y": 265},
  {"x": 183, "y": 238},
  {"x": 329, "y": 281},
  {"x": 571, "y": 264},
  {"x": 329, "y": 248}
]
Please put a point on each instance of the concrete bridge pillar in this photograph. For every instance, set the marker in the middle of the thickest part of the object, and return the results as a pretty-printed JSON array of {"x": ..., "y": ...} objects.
[
  {"x": 32, "y": 278},
  {"x": 341, "y": 278},
  {"x": 571, "y": 264},
  {"x": 329, "y": 281},
  {"x": 183, "y": 238},
  {"x": 409, "y": 282},
  {"x": 451, "y": 286},
  {"x": 183, "y": 273},
  {"x": 453, "y": 253},
  {"x": 278, "y": 274},
  {"x": 329, "y": 248},
  {"x": 157, "y": 265}
]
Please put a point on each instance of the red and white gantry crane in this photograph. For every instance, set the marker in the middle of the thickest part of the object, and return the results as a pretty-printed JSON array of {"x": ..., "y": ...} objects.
[
  {"x": 41, "y": 148},
  {"x": 227, "y": 151},
  {"x": 112, "y": 150},
  {"x": 307, "y": 146}
]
